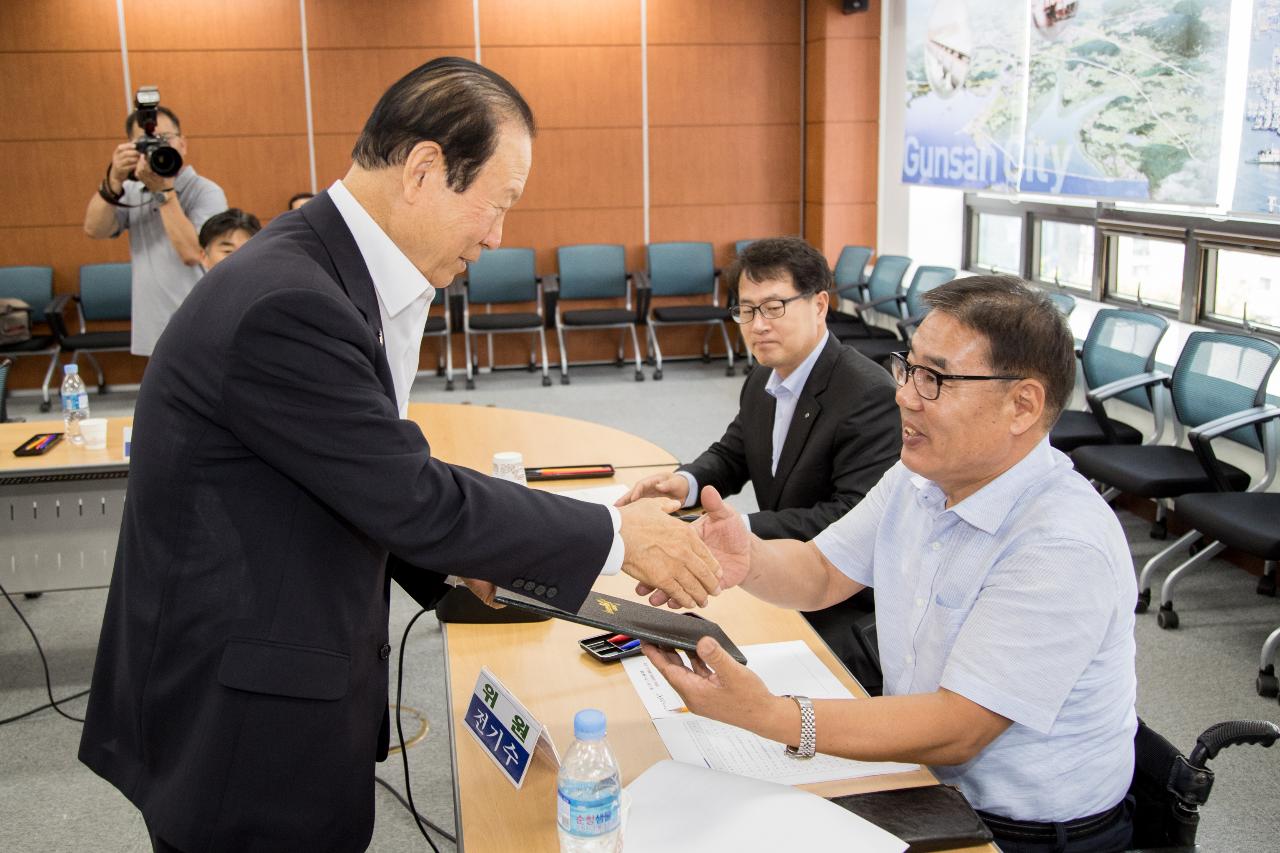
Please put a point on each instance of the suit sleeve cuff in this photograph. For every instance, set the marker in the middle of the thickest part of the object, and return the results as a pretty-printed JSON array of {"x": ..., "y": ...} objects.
[
  {"x": 691, "y": 498},
  {"x": 613, "y": 562}
]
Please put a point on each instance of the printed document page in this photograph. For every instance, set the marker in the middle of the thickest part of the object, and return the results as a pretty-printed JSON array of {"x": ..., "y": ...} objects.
[
  {"x": 605, "y": 495},
  {"x": 789, "y": 667}
]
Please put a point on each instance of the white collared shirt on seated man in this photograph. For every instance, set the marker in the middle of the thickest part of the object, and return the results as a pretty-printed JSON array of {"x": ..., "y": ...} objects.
[{"x": 1019, "y": 598}]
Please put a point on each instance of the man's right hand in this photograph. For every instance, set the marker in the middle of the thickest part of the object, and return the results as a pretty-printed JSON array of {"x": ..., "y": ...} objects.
[
  {"x": 123, "y": 161},
  {"x": 658, "y": 486},
  {"x": 667, "y": 555}
]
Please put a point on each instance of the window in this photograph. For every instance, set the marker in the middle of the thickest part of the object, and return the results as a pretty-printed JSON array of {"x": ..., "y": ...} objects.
[
  {"x": 999, "y": 246},
  {"x": 1066, "y": 254},
  {"x": 1147, "y": 270},
  {"x": 1243, "y": 285}
]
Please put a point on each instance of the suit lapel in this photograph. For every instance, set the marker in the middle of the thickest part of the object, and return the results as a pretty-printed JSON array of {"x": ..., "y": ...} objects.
[
  {"x": 758, "y": 423},
  {"x": 808, "y": 409},
  {"x": 353, "y": 274}
]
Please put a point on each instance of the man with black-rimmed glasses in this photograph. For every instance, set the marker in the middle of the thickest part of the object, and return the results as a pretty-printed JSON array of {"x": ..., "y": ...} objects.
[
  {"x": 816, "y": 427},
  {"x": 1004, "y": 589}
]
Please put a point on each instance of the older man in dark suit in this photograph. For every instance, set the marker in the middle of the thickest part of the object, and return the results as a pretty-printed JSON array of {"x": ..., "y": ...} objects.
[
  {"x": 240, "y": 693},
  {"x": 817, "y": 426}
]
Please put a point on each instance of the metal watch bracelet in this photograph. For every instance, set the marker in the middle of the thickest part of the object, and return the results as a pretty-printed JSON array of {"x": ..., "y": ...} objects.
[{"x": 808, "y": 728}]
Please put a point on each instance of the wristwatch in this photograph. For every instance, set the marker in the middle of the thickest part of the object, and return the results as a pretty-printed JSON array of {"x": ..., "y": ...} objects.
[
  {"x": 161, "y": 197},
  {"x": 808, "y": 729}
]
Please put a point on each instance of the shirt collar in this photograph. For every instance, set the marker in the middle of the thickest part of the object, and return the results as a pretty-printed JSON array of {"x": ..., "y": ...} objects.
[
  {"x": 987, "y": 508},
  {"x": 794, "y": 383},
  {"x": 395, "y": 278}
]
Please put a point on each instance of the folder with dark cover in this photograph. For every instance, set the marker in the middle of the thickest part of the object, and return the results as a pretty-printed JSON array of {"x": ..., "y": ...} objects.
[
  {"x": 641, "y": 621},
  {"x": 932, "y": 817}
]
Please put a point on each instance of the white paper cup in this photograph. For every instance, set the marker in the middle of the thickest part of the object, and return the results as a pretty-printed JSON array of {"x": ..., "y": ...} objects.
[
  {"x": 94, "y": 431},
  {"x": 509, "y": 465}
]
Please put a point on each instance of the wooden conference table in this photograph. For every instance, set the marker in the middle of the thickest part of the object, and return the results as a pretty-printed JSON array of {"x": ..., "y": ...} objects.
[{"x": 539, "y": 662}]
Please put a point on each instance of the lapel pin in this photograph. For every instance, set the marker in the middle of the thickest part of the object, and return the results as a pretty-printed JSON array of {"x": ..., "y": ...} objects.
[{"x": 381, "y": 344}]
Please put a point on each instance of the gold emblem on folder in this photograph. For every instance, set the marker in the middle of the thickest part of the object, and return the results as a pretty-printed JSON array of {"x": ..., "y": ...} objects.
[{"x": 609, "y": 606}]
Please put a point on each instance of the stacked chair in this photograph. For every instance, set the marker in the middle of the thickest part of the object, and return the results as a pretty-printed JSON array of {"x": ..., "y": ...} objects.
[
  {"x": 503, "y": 277},
  {"x": 1218, "y": 390},
  {"x": 879, "y": 295},
  {"x": 595, "y": 272},
  {"x": 911, "y": 306}
]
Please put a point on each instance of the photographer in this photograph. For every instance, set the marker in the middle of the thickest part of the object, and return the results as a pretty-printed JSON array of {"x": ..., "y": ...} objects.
[{"x": 162, "y": 202}]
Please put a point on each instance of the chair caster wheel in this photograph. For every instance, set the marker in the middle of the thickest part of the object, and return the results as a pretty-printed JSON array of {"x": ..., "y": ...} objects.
[
  {"x": 657, "y": 375},
  {"x": 1159, "y": 530},
  {"x": 531, "y": 368},
  {"x": 1267, "y": 585},
  {"x": 1267, "y": 683},
  {"x": 448, "y": 386},
  {"x": 729, "y": 371},
  {"x": 747, "y": 368},
  {"x": 1167, "y": 618},
  {"x": 639, "y": 375},
  {"x": 706, "y": 359},
  {"x": 44, "y": 407},
  {"x": 1144, "y": 601},
  {"x": 564, "y": 380},
  {"x": 546, "y": 382},
  {"x": 619, "y": 362},
  {"x": 471, "y": 385}
]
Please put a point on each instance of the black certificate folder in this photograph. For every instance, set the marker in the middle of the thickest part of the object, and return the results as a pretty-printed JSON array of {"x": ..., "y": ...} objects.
[{"x": 640, "y": 621}]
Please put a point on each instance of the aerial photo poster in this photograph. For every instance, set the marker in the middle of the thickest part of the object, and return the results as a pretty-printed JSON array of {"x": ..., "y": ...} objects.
[
  {"x": 1122, "y": 99},
  {"x": 966, "y": 95},
  {"x": 1258, "y": 175}
]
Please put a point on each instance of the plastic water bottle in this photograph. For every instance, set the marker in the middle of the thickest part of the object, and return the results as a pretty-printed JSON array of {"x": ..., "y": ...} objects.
[
  {"x": 588, "y": 790},
  {"x": 75, "y": 402}
]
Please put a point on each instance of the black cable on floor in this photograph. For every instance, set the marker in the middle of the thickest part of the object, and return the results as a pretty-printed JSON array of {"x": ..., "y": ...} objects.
[
  {"x": 418, "y": 819},
  {"x": 44, "y": 662},
  {"x": 391, "y": 790}
]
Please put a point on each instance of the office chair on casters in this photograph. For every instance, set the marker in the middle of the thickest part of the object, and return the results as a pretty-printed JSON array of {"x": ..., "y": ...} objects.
[
  {"x": 1218, "y": 378},
  {"x": 440, "y": 325},
  {"x": 595, "y": 272},
  {"x": 34, "y": 286},
  {"x": 1065, "y": 302},
  {"x": 913, "y": 309},
  {"x": 880, "y": 295},
  {"x": 503, "y": 276},
  {"x": 106, "y": 293},
  {"x": 1247, "y": 521},
  {"x": 686, "y": 269},
  {"x": 1169, "y": 788},
  {"x": 1120, "y": 346}
]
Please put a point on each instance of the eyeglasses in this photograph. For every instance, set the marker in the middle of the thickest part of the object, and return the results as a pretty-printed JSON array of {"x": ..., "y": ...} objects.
[
  {"x": 770, "y": 309},
  {"x": 163, "y": 137},
  {"x": 927, "y": 381}
]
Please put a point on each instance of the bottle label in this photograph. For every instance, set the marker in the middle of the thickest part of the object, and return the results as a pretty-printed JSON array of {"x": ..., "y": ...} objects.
[
  {"x": 75, "y": 402},
  {"x": 586, "y": 818}
]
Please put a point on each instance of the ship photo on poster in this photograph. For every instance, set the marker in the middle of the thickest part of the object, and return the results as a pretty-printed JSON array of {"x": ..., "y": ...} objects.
[
  {"x": 1257, "y": 187},
  {"x": 965, "y": 92},
  {"x": 1125, "y": 99}
]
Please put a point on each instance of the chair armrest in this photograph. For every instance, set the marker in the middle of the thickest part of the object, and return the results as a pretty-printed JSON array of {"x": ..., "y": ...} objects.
[
  {"x": 53, "y": 314},
  {"x": 1232, "y": 422},
  {"x": 1112, "y": 389},
  {"x": 907, "y": 323},
  {"x": 550, "y": 282}
]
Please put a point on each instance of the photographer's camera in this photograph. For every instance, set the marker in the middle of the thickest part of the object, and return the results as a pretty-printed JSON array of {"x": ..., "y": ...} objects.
[{"x": 162, "y": 157}]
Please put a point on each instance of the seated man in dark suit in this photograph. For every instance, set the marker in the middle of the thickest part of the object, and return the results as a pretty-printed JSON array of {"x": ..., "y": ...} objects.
[{"x": 816, "y": 427}]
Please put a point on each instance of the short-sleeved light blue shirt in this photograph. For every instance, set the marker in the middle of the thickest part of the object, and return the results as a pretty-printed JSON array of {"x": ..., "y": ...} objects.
[{"x": 1019, "y": 598}]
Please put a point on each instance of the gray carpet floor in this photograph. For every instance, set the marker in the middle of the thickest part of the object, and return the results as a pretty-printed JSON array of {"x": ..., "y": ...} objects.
[{"x": 1187, "y": 679}]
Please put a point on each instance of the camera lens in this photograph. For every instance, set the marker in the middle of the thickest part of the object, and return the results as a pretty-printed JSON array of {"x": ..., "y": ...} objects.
[{"x": 165, "y": 161}]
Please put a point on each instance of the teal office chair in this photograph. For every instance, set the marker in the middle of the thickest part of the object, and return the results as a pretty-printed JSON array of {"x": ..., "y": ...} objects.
[
  {"x": 913, "y": 309},
  {"x": 1121, "y": 345},
  {"x": 1065, "y": 301},
  {"x": 851, "y": 271},
  {"x": 440, "y": 325},
  {"x": 1219, "y": 381},
  {"x": 880, "y": 295},
  {"x": 685, "y": 269},
  {"x": 739, "y": 245},
  {"x": 503, "y": 277},
  {"x": 106, "y": 293},
  {"x": 596, "y": 272},
  {"x": 34, "y": 286}
]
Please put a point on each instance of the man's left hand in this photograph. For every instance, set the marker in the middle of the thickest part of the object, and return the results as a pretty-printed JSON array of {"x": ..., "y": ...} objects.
[{"x": 717, "y": 686}]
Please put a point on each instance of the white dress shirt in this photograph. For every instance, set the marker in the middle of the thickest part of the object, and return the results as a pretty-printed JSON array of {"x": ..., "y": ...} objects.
[
  {"x": 404, "y": 297},
  {"x": 787, "y": 394}
]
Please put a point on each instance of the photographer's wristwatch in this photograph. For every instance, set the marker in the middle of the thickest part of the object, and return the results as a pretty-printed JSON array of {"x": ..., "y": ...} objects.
[
  {"x": 808, "y": 729},
  {"x": 161, "y": 197}
]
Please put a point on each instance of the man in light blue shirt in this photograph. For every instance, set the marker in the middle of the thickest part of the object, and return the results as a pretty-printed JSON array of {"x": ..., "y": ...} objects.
[{"x": 1004, "y": 589}]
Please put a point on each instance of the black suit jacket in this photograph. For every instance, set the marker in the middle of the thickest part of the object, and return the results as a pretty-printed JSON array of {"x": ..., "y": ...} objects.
[
  {"x": 844, "y": 435},
  {"x": 240, "y": 692}
]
